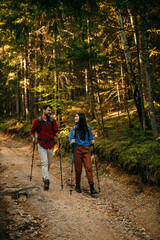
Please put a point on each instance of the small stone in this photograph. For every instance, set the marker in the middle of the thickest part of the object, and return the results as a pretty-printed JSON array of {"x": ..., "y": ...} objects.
[
  {"x": 41, "y": 199},
  {"x": 147, "y": 237}
]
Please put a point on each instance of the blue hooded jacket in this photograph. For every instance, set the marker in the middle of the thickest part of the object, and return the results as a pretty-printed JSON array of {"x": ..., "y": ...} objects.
[{"x": 80, "y": 142}]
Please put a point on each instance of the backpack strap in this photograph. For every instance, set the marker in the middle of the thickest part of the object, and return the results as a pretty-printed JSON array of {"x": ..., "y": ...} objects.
[
  {"x": 51, "y": 121},
  {"x": 74, "y": 131},
  {"x": 41, "y": 123},
  {"x": 88, "y": 128}
]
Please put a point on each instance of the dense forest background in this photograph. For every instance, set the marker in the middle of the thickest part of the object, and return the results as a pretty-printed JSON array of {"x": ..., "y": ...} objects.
[{"x": 97, "y": 57}]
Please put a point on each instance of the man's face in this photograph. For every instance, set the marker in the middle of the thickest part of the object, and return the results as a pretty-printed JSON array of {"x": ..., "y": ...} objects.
[{"x": 48, "y": 112}]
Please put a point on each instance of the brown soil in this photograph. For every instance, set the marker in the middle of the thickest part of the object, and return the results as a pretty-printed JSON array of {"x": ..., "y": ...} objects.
[{"x": 120, "y": 211}]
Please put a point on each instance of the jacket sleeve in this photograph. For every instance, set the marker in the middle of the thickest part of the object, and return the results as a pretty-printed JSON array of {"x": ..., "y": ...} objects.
[
  {"x": 71, "y": 135},
  {"x": 34, "y": 127},
  {"x": 90, "y": 134}
]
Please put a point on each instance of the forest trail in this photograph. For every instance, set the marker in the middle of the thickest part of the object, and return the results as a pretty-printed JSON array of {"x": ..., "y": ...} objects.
[{"x": 118, "y": 212}]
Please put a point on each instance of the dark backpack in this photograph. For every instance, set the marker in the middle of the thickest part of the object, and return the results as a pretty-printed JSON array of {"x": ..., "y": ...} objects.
[{"x": 42, "y": 122}]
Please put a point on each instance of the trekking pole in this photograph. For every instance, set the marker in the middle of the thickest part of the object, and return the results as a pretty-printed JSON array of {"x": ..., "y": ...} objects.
[
  {"x": 96, "y": 168},
  {"x": 60, "y": 163},
  {"x": 72, "y": 167},
  {"x": 32, "y": 161}
]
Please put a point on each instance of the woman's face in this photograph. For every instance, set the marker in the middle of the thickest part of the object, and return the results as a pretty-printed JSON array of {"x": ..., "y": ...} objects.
[{"x": 76, "y": 118}]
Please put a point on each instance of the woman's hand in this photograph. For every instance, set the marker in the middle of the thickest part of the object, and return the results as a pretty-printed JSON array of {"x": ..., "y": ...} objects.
[
  {"x": 58, "y": 135},
  {"x": 73, "y": 141},
  {"x": 92, "y": 142}
]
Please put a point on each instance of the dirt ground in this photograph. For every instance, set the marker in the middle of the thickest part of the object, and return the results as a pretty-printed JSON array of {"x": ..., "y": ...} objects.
[{"x": 119, "y": 211}]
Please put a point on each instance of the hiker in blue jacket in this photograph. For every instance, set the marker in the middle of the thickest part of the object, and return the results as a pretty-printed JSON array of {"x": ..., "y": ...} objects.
[{"x": 81, "y": 136}]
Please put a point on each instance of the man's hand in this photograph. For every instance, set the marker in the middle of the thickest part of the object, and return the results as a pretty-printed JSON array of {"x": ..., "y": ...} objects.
[
  {"x": 58, "y": 135},
  {"x": 73, "y": 141},
  {"x": 34, "y": 140},
  {"x": 92, "y": 142}
]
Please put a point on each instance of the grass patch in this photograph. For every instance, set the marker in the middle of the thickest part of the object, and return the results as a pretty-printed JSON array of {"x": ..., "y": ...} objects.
[{"x": 135, "y": 156}]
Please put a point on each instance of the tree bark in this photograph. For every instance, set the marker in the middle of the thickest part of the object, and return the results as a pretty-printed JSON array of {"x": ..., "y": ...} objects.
[
  {"x": 22, "y": 91},
  {"x": 86, "y": 82},
  {"x": 126, "y": 106},
  {"x": 35, "y": 84},
  {"x": 91, "y": 92},
  {"x": 17, "y": 92},
  {"x": 148, "y": 75},
  {"x": 134, "y": 86},
  {"x": 133, "y": 18},
  {"x": 55, "y": 77},
  {"x": 88, "y": 77},
  {"x": 100, "y": 106},
  {"x": 25, "y": 89}
]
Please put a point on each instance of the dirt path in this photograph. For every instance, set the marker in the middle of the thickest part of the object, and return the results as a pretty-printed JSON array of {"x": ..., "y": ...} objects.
[{"x": 118, "y": 212}]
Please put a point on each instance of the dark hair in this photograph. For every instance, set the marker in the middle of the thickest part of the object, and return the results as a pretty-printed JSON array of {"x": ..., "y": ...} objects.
[
  {"x": 46, "y": 106},
  {"x": 82, "y": 126}
]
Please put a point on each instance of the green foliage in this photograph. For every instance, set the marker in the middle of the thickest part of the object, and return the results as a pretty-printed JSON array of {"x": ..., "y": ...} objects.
[
  {"x": 5, "y": 125},
  {"x": 64, "y": 139},
  {"x": 15, "y": 127},
  {"x": 136, "y": 156}
]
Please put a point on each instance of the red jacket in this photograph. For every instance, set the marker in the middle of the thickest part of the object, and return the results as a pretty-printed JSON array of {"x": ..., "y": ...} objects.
[{"x": 45, "y": 136}]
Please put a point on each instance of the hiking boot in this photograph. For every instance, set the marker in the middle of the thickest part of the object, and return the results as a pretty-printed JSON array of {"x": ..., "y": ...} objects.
[
  {"x": 46, "y": 184},
  {"x": 93, "y": 191},
  {"x": 78, "y": 188}
]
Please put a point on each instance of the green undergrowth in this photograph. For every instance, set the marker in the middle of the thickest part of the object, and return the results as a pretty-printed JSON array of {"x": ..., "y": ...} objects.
[
  {"x": 139, "y": 156},
  {"x": 15, "y": 127}
]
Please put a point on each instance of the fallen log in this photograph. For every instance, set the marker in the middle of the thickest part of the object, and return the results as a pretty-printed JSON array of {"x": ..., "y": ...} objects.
[{"x": 17, "y": 193}]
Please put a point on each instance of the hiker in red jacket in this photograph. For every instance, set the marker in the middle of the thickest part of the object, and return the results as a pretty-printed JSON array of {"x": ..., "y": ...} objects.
[{"x": 46, "y": 128}]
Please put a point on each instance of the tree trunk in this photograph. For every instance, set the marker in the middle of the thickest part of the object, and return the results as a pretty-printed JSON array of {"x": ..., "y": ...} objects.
[
  {"x": 55, "y": 78},
  {"x": 126, "y": 106},
  {"x": 100, "y": 106},
  {"x": 91, "y": 92},
  {"x": 148, "y": 75},
  {"x": 17, "y": 92},
  {"x": 133, "y": 17},
  {"x": 35, "y": 84},
  {"x": 123, "y": 83},
  {"x": 22, "y": 93},
  {"x": 25, "y": 89},
  {"x": 135, "y": 90},
  {"x": 86, "y": 82},
  {"x": 89, "y": 79},
  {"x": 29, "y": 76}
]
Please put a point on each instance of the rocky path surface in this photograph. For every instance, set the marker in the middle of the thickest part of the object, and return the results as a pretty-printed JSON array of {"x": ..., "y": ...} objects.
[{"x": 119, "y": 212}]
